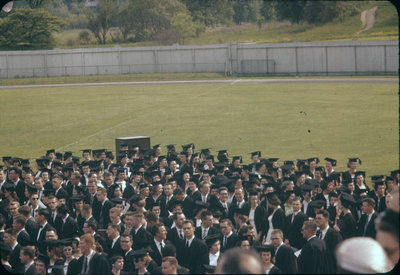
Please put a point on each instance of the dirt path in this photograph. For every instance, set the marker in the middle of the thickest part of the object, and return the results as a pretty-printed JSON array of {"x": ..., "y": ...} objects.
[{"x": 367, "y": 19}]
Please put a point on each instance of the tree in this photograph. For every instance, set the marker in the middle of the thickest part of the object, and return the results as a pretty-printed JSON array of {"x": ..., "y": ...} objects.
[
  {"x": 144, "y": 19},
  {"x": 29, "y": 29},
  {"x": 34, "y": 4},
  {"x": 291, "y": 10},
  {"x": 212, "y": 12},
  {"x": 100, "y": 22},
  {"x": 320, "y": 12},
  {"x": 246, "y": 11},
  {"x": 183, "y": 25}
]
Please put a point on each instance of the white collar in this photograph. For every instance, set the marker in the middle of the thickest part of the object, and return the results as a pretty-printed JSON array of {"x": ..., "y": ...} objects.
[
  {"x": 190, "y": 241},
  {"x": 66, "y": 217},
  {"x": 313, "y": 236}
]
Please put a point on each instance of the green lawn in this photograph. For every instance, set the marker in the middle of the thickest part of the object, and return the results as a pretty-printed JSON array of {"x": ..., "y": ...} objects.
[{"x": 288, "y": 121}]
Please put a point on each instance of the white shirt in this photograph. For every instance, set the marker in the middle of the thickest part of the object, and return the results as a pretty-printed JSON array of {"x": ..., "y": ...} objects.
[
  {"x": 323, "y": 232},
  {"x": 114, "y": 241},
  {"x": 27, "y": 266},
  {"x": 190, "y": 241},
  {"x": 213, "y": 258},
  {"x": 313, "y": 236},
  {"x": 159, "y": 244}
]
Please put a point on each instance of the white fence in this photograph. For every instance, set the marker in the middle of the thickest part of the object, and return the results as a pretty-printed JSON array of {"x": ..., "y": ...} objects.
[{"x": 326, "y": 58}]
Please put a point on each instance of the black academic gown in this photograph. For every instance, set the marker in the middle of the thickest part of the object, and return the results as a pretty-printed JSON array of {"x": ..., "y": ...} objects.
[
  {"x": 314, "y": 258},
  {"x": 293, "y": 229},
  {"x": 285, "y": 260},
  {"x": 195, "y": 256}
]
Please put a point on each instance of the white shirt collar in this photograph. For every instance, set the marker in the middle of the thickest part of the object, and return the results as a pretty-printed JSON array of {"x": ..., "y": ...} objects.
[
  {"x": 190, "y": 241},
  {"x": 27, "y": 266},
  {"x": 66, "y": 217},
  {"x": 313, "y": 236}
]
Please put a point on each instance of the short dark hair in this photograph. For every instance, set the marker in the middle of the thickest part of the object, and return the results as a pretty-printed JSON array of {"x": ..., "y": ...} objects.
[
  {"x": 369, "y": 201},
  {"x": 155, "y": 228},
  {"x": 205, "y": 214},
  {"x": 115, "y": 258},
  {"x": 62, "y": 209},
  {"x": 92, "y": 224},
  {"x": 324, "y": 213},
  {"x": 28, "y": 251},
  {"x": 189, "y": 221}
]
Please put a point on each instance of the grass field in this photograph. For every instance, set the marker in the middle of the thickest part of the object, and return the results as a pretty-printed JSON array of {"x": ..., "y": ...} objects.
[{"x": 288, "y": 121}]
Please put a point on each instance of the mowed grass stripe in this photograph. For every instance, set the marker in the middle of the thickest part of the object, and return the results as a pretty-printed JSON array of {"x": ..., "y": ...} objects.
[{"x": 283, "y": 120}]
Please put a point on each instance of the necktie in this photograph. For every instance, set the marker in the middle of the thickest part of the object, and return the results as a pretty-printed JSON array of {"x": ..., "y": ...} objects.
[
  {"x": 293, "y": 217},
  {"x": 85, "y": 266},
  {"x": 187, "y": 244},
  {"x": 204, "y": 199},
  {"x": 180, "y": 234},
  {"x": 225, "y": 240},
  {"x": 319, "y": 234},
  {"x": 365, "y": 226},
  {"x": 204, "y": 234},
  {"x": 40, "y": 230}
]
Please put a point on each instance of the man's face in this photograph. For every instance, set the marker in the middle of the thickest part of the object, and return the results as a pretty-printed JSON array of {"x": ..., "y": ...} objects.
[
  {"x": 1, "y": 175},
  {"x": 114, "y": 218},
  {"x": 24, "y": 258},
  {"x": 118, "y": 193},
  {"x": 34, "y": 200},
  {"x": 168, "y": 190},
  {"x": 86, "y": 170},
  {"x": 126, "y": 243},
  {"x": 51, "y": 235},
  {"x": 239, "y": 195},
  {"x": 305, "y": 232},
  {"x": 223, "y": 195},
  {"x": 110, "y": 232},
  {"x": 179, "y": 220},
  {"x": 162, "y": 232},
  {"x": 320, "y": 220},
  {"x": 40, "y": 267},
  {"x": 8, "y": 239},
  {"x": 128, "y": 221},
  {"x": 53, "y": 203},
  {"x": 205, "y": 189},
  {"x": 84, "y": 246},
  {"x": 296, "y": 205},
  {"x": 45, "y": 176},
  {"x": 39, "y": 183},
  {"x": 156, "y": 210},
  {"x": 172, "y": 165},
  {"x": 381, "y": 190},
  {"x": 188, "y": 230},
  {"x": 208, "y": 221},
  {"x": 366, "y": 208},
  {"x": 225, "y": 228},
  {"x": 56, "y": 182},
  {"x": 276, "y": 240},
  {"x": 29, "y": 178},
  {"x": 328, "y": 165},
  {"x": 352, "y": 165},
  {"x": 109, "y": 180},
  {"x": 17, "y": 226},
  {"x": 92, "y": 187},
  {"x": 266, "y": 257},
  {"x": 12, "y": 175},
  {"x": 14, "y": 209},
  {"x": 167, "y": 268},
  {"x": 100, "y": 196}
]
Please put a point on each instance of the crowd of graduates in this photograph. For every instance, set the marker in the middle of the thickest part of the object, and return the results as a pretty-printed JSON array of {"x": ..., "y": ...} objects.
[{"x": 145, "y": 212}]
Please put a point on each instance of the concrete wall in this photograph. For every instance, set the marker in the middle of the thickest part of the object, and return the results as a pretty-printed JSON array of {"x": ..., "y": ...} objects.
[{"x": 327, "y": 58}]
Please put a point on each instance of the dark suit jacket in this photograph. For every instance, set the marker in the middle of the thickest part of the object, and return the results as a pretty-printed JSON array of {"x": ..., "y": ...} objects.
[
  {"x": 61, "y": 191},
  {"x": 234, "y": 206},
  {"x": 195, "y": 256},
  {"x": 155, "y": 253},
  {"x": 348, "y": 226},
  {"x": 31, "y": 227},
  {"x": 98, "y": 265},
  {"x": 370, "y": 232},
  {"x": 199, "y": 232},
  {"x": 261, "y": 220},
  {"x": 279, "y": 219},
  {"x": 230, "y": 242},
  {"x": 104, "y": 211},
  {"x": 31, "y": 270},
  {"x": 141, "y": 239},
  {"x": 42, "y": 237},
  {"x": 293, "y": 230},
  {"x": 69, "y": 229},
  {"x": 314, "y": 258},
  {"x": 285, "y": 260},
  {"x": 332, "y": 239},
  {"x": 20, "y": 190},
  {"x": 116, "y": 249},
  {"x": 14, "y": 261},
  {"x": 211, "y": 199},
  {"x": 23, "y": 238}
]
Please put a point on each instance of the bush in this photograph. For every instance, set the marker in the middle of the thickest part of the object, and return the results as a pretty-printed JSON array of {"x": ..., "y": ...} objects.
[{"x": 84, "y": 37}]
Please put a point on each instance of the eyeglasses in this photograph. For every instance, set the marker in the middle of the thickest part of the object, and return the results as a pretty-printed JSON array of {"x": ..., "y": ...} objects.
[
  {"x": 67, "y": 249},
  {"x": 35, "y": 199}
]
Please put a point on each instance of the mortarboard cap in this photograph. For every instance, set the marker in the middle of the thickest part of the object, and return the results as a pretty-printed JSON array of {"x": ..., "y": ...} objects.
[
  {"x": 67, "y": 154},
  {"x": 9, "y": 186},
  {"x": 117, "y": 201},
  {"x": 377, "y": 178},
  {"x": 320, "y": 168},
  {"x": 7, "y": 158},
  {"x": 25, "y": 161},
  {"x": 317, "y": 204},
  {"x": 211, "y": 239},
  {"x": 237, "y": 158},
  {"x": 156, "y": 146},
  {"x": 347, "y": 199},
  {"x": 331, "y": 160},
  {"x": 170, "y": 146},
  {"x": 272, "y": 159},
  {"x": 77, "y": 198},
  {"x": 124, "y": 145},
  {"x": 288, "y": 162},
  {"x": 307, "y": 187},
  {"x": 313, "y": 159},
  {"x": 86, "y": 151},
  {"x": 210, "y": 157},
  {"x": 394, "y": 172},
  {"x": 135, "y": 198},
  {"x": 256, "y": 153},
  {"x": 265, "y": 248},
  {"x": 187, "y": 146},
  {"x": 48, "y": 152},
  {"x": 355, "y": 160},
  {"x": 58, "y": 155},
  {"x": 139, "y": 253},
  {"x": 44, "y": 258}
]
